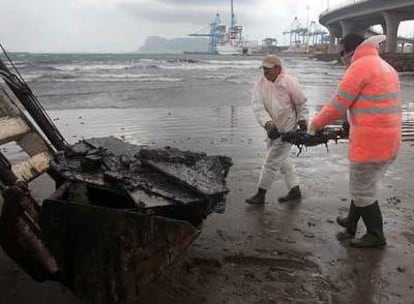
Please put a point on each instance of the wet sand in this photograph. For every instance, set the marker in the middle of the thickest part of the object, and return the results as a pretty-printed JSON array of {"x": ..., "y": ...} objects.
[
  {"x": 288, "y": 253},
  {"x": 276, "y": 253}
]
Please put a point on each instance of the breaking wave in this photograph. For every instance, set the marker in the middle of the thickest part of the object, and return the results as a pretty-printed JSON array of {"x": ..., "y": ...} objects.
[
  {"x": 134, "y": 70},
  {"x": 100, "y": 77}
]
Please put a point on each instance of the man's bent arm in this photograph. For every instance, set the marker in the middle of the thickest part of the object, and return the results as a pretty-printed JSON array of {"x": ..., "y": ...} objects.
[{"x": 345, "y": 95}]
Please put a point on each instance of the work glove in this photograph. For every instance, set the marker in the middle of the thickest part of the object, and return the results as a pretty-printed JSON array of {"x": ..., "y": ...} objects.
[
  {"x": 303, "y": 125},
  {"x": 272, "y": 131},
  {"x": 311, "y": 129}
]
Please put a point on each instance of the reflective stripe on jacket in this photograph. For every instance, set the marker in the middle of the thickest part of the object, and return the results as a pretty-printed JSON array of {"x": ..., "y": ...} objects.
[{"x": 370, "y": 89}]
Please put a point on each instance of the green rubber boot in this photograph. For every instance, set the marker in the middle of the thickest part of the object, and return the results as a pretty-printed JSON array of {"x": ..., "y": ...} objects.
[{"x": 374, "y": 237}]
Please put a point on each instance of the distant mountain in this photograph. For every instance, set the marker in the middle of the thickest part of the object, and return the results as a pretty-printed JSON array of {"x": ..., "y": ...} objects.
[{"x": 156, "y": 44}]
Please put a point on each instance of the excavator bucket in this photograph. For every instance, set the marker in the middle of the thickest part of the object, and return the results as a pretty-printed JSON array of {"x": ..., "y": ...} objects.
[
  {"x": 107, "y": 255},
  {"x": 104, "y": 255},
  {"x": 124, "y": 212}
]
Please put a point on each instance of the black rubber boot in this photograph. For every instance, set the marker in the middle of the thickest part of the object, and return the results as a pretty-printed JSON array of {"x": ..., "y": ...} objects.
[
  {"x": 294, "y": 194},
  {"x": 258, "y": 198},
  {"x": 349, "y": 222},
  {"x": 372, "y": 217}
]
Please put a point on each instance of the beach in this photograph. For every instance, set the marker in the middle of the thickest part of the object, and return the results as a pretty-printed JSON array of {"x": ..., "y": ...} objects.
[{"x": 276, "y": 253}]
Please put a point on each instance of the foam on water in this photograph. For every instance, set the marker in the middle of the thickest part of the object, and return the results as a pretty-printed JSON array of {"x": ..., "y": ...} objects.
[
  {"x": 100, "y": 77},
  {"x": 93, "y": 67}
]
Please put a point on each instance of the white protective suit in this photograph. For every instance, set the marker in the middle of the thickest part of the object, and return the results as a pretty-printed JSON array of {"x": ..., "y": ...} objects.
[
  {"x": 363, "y": 181},
  {"x": 284, "y": 103}
]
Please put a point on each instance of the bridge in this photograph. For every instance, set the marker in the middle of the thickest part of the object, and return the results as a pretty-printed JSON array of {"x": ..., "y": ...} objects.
[{"x": 359, "y": 16}]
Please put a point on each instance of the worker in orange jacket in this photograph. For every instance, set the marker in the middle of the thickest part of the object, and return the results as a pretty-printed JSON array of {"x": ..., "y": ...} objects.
[{"x": 370, "y": 91}]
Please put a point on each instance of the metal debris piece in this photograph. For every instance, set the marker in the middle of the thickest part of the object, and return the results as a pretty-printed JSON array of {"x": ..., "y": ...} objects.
[{"x": 148, "y": 178}]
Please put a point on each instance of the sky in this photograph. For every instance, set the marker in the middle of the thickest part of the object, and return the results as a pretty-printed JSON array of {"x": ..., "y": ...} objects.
[{"x": 105, "y": 26}]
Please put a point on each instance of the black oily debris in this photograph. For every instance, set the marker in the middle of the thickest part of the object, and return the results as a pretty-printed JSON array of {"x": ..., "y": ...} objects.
[{"x": 302, "y": 139}]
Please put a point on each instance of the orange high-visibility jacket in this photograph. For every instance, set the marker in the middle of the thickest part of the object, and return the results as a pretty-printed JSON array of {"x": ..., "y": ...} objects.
[{"x": 370, "y": 90}]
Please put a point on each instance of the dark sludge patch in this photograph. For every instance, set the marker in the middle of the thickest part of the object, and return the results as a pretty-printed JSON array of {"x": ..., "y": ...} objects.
[{"x": 283, "y": 263}]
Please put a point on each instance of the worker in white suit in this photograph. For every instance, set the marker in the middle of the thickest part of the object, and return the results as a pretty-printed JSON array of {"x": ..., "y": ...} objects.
[{"x": 280, "y": 106}]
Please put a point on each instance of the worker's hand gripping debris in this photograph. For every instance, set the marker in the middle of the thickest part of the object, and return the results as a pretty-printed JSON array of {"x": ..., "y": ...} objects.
[
  {"x": 303, "y": 125},
  {"x": 271, "y": 129}
]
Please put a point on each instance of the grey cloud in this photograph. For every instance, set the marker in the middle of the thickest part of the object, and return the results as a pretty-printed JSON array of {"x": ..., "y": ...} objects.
[
  {"x": 207, "y": 3},
  {"x": 181, "y": 14},
  {"x": 168, "y": 15},
  {"x": 122, "y": 25}
]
